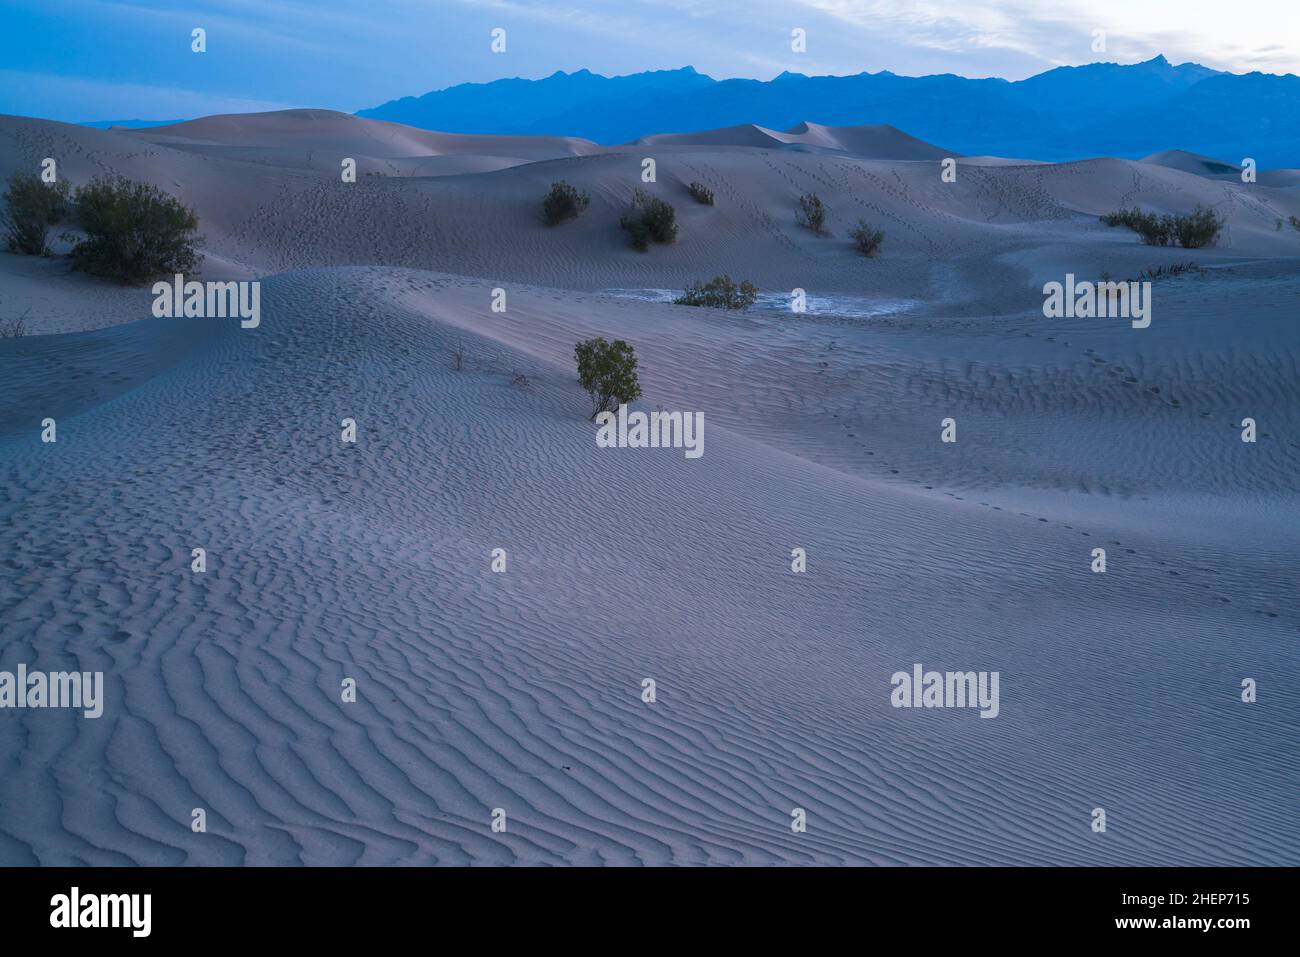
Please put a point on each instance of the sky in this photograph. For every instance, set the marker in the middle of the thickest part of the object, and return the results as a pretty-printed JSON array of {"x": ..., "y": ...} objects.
[{"x": 82, "y": 60}]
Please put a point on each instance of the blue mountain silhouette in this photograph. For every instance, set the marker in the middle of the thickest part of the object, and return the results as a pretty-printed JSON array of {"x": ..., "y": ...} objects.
[{"x": 1101, "y": 109}]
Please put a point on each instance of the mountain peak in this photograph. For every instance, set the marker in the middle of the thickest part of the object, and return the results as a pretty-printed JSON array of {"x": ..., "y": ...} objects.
[{"x": 1148, "y": 107}]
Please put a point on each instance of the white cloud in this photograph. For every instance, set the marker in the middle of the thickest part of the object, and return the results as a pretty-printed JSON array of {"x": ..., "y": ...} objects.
[{"x": 1224, "y": 36}]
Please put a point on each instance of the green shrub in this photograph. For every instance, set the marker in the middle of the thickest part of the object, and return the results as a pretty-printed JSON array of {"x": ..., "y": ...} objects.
[
  {"x": 563, "y": 202},
  {"x": 1124, "y": 217},
  {"x": 867, "y": 239},
  {"x": 649, "y": 220},
  {"x": 638, "y": 233},
  {"x": 1198, "y": 229},
  {"x": 812, "y": 213},
  {"x": 701, "y": 193},
  {"x": 134, "y": 231},
  {"x": 13, "y": 328},
  {"x": 607, "y": 370},
  {"x": 1154, "y": 230},
  {"x": 31, "y": 208},
  {"x": 1169, "y": 271},
  {"x": 719, "y": 293}
]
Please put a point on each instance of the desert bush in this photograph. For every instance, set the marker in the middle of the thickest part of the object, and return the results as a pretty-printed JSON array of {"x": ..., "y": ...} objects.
[
  {"x": 867, "y": 239},
  {"x": 812, "y": 213},
  {"x": 563, "y": 202},
  {"x": 134, "y": 231},
  {"x": 13, "y": 328},
  {"x": 1169, "y": 271},
  {"x": 31, "y": 208},
  {"x": 1295, "y": 222},
  {"x": 719, "y": 293},
  {"x": 1197, "y": 229},
  {"x": 637, "y": 233},
  {"x": 649, "y": 220},
  {"x": 701, "y": 193},
  {"x": 1153, "y": 229},
  {"x": 1124, "y": 217},
  {"x": 1156, "y": 230},
  {"x": 607, "y": 370}
]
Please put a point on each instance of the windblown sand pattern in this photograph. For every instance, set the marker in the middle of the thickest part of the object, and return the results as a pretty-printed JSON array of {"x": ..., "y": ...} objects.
[{"x": 522, "y": 690}]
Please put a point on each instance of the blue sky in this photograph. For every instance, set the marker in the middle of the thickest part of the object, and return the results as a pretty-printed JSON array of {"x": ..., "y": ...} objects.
[{"x": 102, "y": 59}]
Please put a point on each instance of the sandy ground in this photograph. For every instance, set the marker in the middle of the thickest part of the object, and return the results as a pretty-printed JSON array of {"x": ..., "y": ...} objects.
[{"x": 522, "y": 690}]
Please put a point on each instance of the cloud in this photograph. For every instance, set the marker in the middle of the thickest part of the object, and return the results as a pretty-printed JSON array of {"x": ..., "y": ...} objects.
[
  {"x": 1207, "y": 31},
  {"x": 346, "y": 55}
]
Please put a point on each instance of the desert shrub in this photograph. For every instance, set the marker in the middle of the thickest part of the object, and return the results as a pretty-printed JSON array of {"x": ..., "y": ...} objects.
[
  {"x": 701, "y": 193},
  {"x": 637, "y": 232},
  {"x": 1295, "y": 222},
  {"x": 867, "y": 239},
  {"x": 1197, "y": 229},
  {"x": 719, "y": 293},
  {"x": 812, "y": 213},
  {"x": 649, "y": 220},
  {"x": 13, "y": 328},
  {"x": 31, "y": 208},
  {"x": 607, "y": 370},
  {"x": 1121, "y": 217},
  {"x": 563, "y": 202},
  {"x": 1192, "y": 231},
  {"x": 1153, "y": 229},
  {"x": 1169, "y": 271},
  {"x": 134, "y": 231}
]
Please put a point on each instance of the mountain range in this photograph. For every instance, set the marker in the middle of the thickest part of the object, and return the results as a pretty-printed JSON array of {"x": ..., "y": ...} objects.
[{"x": 1062, "y": 114}]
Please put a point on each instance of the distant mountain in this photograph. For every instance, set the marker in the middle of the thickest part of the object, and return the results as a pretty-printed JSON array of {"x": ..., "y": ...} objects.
[
  {"x": 127, "y": 124},
  {"x": 1066, "y": 113},
  {"x": 521, "y": 105}
]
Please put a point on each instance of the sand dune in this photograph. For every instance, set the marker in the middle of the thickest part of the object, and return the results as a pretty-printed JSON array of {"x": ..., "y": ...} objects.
[
  {"x": 1192, "y": 163},
  {"x": 870, "y": 142},
  {"x": 335, "y": 132},
  {"x": 522, "y": 690},
  {"x": 1205, "y": 166},
  {"x": 960, "y": 246}
]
